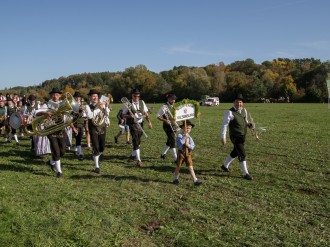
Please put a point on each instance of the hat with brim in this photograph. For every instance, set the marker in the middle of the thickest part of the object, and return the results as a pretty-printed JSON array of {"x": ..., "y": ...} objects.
[
  {"x": 93, "y": 91},
  {"x": 77, "y": 94},
  {"x": 171, "y": 96},
  {"x": 239, "y": 97},
  {"x": 55, "y": 90},
  {"x": 187, "y": 123},
  {"x": 135, "y": 91},
  {"x": 32, "y": 97}
]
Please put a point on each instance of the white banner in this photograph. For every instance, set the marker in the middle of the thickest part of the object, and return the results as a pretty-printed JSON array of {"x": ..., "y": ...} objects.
[{"x": 184, "y": 112}]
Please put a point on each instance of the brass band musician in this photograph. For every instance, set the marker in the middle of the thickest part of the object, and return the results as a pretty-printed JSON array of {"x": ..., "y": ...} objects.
[
  {"x": 28, "y": 110},
  {"x": 97, "y": 114},
  {"x": 167, "y": 125},
  {"x": 11, "y": 108},
  {"x": 78, "y": 125},
  {"x": 3, "y": 110},
  {"x": 57, "y": 139},
  {"x": 139, "y": 110}
]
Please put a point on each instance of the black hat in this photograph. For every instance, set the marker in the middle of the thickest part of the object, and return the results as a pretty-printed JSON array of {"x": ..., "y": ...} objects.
[
  {"x": 55, "y": 90},
  {"x": 135, "y": 91},
  {"x": 77, "y": 94},
  {"x": 32, "y": 97},
  {"x": 93, "y": 91},
  {"x": 9, "y": 99},
  {"x": 240, "y": 97},
  {"x": 187, "y": 123},
  {"x": 171, "y": 96}
]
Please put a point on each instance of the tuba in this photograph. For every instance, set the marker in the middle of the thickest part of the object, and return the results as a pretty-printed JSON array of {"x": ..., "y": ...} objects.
[{"x": 60, "y": 118}]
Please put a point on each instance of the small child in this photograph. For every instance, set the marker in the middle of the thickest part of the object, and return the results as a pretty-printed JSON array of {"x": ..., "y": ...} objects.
[{"x": 185, "y": 145}]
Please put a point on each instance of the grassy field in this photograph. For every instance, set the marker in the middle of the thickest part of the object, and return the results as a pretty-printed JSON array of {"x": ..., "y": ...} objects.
[{"x": 287, "y": 203}]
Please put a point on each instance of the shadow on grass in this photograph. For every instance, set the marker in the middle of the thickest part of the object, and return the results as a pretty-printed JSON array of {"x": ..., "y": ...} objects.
[
  {"x": 15, "y": 167},
  {"x": 117, "y": 178}
]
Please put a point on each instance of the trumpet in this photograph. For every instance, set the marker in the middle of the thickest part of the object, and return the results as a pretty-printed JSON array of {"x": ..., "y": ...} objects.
[
  {"x": 60, "y": 118},
  {"x": 167, "y": 112},
  {"x": 129, "y": 106}
]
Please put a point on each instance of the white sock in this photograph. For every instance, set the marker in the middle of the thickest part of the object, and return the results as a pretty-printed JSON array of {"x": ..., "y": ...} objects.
[
  {"x": 52, "y": 162},
  {"x": 96, "y": 161},
  {"x": 15, "y": 137},
  {"x": 166, "y": 148},
  {"x": 137, "y": 151},
  {"x": 229, "y": 159},
  {"x": 58, "y": 166},
  {"x": 244, "y": 167},
  {"x": 75, "y": 148},
  {"x": 9, "y": 137},
  {"x": 175, "y": 156},
  {"x": 79, "y": 150}
]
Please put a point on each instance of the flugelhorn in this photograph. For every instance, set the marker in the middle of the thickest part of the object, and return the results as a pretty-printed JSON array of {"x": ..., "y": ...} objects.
[
  {"x": 129, "y": 106},
  {"x": 60, "y": 118},
  {"x": 174, "y": 125}
]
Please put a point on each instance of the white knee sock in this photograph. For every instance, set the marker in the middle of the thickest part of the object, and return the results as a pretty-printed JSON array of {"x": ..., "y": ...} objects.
[
  {"x": 229, "y": 159},
  {"x": 133, "y": 153},
  {"x": 96, "y": 161},
  {"x": 15, "y": 137},
  {"x": 175, "y": 156},
  {"x": 244, "y": 167},
  {"x": 58, "y": 166},
  {"x": 79, "y": 150},
  {"x": 166, "y": 148},
  {"x": 137, "y": 151}
]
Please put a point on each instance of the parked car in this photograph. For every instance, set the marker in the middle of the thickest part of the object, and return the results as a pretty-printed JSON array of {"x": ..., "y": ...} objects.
[{"x": 212, "y": 101}]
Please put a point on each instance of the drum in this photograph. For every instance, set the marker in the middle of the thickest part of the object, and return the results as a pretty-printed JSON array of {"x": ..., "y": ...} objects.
[{"x": 17, "y": 120}]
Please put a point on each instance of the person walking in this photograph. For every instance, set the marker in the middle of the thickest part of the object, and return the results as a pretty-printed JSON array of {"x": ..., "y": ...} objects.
[
  {"x": 237, "y": 121},
  {"x": 139, "y": 111},
  {"x": 164, "y": 115},
  {"x": 185, "y": 145},
  {"x": 97, "y": 114}
]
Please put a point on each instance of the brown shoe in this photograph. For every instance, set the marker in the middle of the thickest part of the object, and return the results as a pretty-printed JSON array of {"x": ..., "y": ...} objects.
[{"x": 139, "y": 164}]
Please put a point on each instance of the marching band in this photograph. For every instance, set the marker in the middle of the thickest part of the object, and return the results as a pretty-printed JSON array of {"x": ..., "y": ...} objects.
[{"x": 52, "y": 125}]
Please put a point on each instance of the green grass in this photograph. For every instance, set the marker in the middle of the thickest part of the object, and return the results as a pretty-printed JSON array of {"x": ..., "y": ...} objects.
[{"x": 287, "y": 203}]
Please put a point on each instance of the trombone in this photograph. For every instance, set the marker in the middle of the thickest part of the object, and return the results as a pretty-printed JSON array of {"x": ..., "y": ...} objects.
[
  {"x": 129, "y": 106},
  {"x": 174, "y": 126}
]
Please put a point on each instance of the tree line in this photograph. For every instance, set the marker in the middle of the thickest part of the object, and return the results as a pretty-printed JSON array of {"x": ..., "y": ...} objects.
[{"x": 302, "y": 80}]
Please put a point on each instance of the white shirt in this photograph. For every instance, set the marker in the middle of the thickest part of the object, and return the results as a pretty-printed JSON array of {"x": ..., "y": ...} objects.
[
  {"x": 92, "y": 114},
  {"x": 161, "y": 111},
  {"x": 226, "y": 119},
  {"x": 136, "y": 107}
]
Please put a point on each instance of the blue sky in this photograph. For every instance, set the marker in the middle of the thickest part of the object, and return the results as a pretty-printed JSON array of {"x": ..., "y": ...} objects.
[{"x": 44, "y": 39}]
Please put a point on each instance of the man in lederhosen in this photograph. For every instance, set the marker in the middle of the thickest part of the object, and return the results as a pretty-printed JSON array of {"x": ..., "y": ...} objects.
[
  {"x": 95, "y": 112},
  {"x": 28, "y": 111},
  {"x": 236, "y": 119},
  {"x": 140, "y": 110},
  {"x": 78, "y": 125},
  {"x": 57, "y": 140},
  {"x": 168, "y": 127},
  {"x": 3, "y": 110},
  {"x": 11, "y": 108}
]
